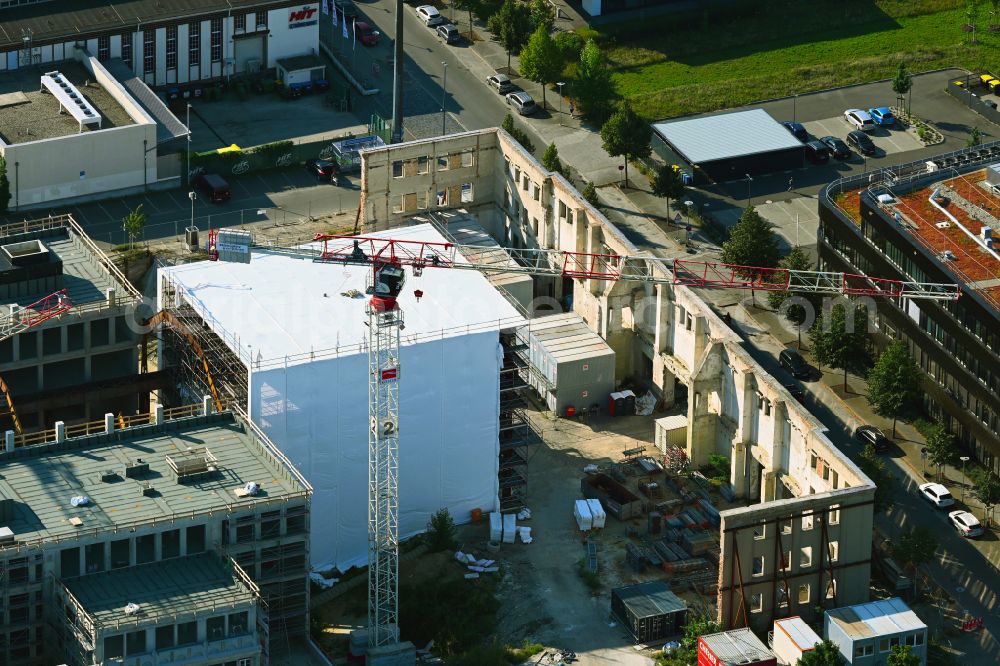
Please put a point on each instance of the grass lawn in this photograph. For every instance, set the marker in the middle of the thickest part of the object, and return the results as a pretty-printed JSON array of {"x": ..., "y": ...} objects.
[{"x": 668, "y": 66}]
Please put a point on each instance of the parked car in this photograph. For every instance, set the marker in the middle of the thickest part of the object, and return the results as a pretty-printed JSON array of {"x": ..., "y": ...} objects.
[
  {"x": 448, "y": 33},
  {"x": 500, "y": 82},
  {"x": 429, "y": 15},
  {"x": 365, "y": 34},
  {"x": 861, "y": 141},
  {"x": 214, "y": 187},
  {"x": 796, "y": 391},
  {"x": 797, "y": 130},
  {"x": 871, "y": 435},
  {"x": 836, "y": 147},
  {"x": 882, "y": 115},
  {"x": 817, "y": 152},
  {"x": 936, "y": 494},
  {"x": 347, "y": 9},
  {"x": 522, "y": 103},
  {"x": 792, "y": 361},
  {"x": 966, "y": 524},
  {"x": 860, "y": 119},
  {"x": 324, "y": 170}
]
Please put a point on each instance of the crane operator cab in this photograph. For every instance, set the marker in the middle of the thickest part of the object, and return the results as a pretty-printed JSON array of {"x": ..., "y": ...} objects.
[{"x": 389, "y": 279}]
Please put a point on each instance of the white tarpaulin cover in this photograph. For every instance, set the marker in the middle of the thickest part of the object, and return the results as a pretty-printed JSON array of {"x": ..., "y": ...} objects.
[{"x": 314, "y": 403}]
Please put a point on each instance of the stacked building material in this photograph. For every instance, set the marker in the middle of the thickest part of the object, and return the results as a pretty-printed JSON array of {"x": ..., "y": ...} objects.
[
  {"x": 697, "y": 543},
  {"x": 710, "y": 512}
]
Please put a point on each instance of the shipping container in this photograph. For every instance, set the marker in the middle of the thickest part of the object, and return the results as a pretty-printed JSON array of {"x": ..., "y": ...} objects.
[
  {"x": 792, "y": 638},
  {"x": 650, "y": 611},
  {"x": 738, "y": 647},
  {"x": 576, "y": 367}
]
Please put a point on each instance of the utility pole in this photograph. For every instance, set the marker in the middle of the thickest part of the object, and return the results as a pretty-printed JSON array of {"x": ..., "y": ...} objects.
[
  {"x": 444, "y": 94},
  {"x": 397, "y": 76},
  {"x": 189, "y": 145},
  {"x": 749, "y": 184}
]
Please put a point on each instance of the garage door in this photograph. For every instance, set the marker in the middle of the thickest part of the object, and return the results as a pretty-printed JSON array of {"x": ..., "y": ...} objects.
[{"x": 249, "y": 54}]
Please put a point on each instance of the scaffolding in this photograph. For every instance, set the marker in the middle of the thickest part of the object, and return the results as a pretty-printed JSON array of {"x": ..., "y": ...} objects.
[{"x": 517, "y": 435}]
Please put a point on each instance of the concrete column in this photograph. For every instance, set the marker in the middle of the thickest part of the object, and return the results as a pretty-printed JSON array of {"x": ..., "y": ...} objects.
[
  {"x": 701, "y": 423},
  {"x": 110, "y": 293},
  {"x": 206, "y": 405},
  {"x": 109, "y": 422},
  {"x": 8, "y": 444},
  {"x": 60, "y": 431},
  {"x": 661, "y": 311},
  {"x": 158, "y": 414}
]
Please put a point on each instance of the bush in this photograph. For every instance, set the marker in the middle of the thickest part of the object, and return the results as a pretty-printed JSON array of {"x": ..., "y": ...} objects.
[
  {"x": 569, "y": 44},
  {"x": 481, "y": 655},
  {"x": 590, "y": 579},
  {"x": 718, "y": 467},
  {"x": 440, "y": 532},
  {"x": 523, "y": 653}
]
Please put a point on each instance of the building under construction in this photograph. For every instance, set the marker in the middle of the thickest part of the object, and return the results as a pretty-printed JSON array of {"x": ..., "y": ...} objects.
[
  {"x": 181, "y": 536},
  {"x": 83, "y": 363}
]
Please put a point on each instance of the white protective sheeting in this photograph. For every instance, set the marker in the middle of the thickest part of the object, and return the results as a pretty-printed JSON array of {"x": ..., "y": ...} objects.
[{"x": 304, "y": 343}]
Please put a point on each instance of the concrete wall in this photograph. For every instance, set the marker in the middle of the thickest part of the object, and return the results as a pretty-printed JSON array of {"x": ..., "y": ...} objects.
[{"x": 781, "y": 459}]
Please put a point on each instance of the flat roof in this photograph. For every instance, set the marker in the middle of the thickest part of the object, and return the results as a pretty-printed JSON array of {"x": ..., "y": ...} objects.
[
  {"x": 174, "y": 588},
  {"x": 463, "y": 229},
  {"x": 41, "y": 480},
  {"x": 800, "y": 633},
  {"x": 566, "y": 337},
  {"x": 52, "y": 20},
  {"x": 876, "y": 618},
  {"x": 167, "y": 124},
  {"x": 280, "y": 306},
  {"x": 648, "y": 599},
  {"x": 737, "y": 646},
  {"x": 37, "y": 116},
  {"x": 726, "y": 135}
]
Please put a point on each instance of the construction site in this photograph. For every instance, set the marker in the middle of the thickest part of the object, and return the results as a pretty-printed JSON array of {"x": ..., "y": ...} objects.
[{"x": 508, "y": 355}]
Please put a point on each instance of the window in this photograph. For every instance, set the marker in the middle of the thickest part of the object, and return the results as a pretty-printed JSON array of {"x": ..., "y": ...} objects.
[
  {"x": 114, "y": 647},
  {"x": 104, "y": 47},
  {"x": 422, "y": 165},
  {"x": 171, "y": 47},
  {"x": 831, "y": 589},
  {"x": 834, "y": 550},
  {"x": 807, "y": 517},
  {"x": 145, "y": 549},
  {"x": 262, "y": 19},
  {"x": 164, "y": 637},
  {"x": 238, "y": 624},
  {"x": 149, "y": 50},
  {"x": 120, "y": 553},
  {"x": 216, "y": 37},
  {"x": 804, "y": 593},
  {"x": 244, "y": 533},
  {"x": 883, "y": 645},
  {"x": 195, "y": 539},
  {"x": 919, "y": 639},
  {"x": 215, "y": 628},
  {"x": 69, "y": 562},
  {"x": 240, "y": 21},
  {"x": 397, "y": 169},
  {"x": 786, "y": 526},
  {"x": 760, "y": 530},
  {"x": 270, "y": 524},
  {"x": 187, "y": 633},
  {"x": 467, "y": 193},
  {"x": 468, "y": 158},
  {"x": 126, "y": 53},
  {"x": 756, "y": 603},
  {"x": 813, "y": 460},
  {"x": 170, "y": 544},
  {"x": 893, "y": 642},
  {"x": 135, "y": 642},
  {"x": 758, "y": 566},
  {"x": 194, "y": 43},
  {"x": 443, "y": 163},
  {"x": 864, "y": 650},
  {"x": 805, "y": 556},
  {"x": 782, "y": 597},
  {"x": 94, "y": 556},
  {"x": 295, "y": 525},
  {"x": 786, "y": 561}
]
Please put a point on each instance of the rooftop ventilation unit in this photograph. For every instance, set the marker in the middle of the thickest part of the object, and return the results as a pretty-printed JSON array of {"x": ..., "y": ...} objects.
[
  {"x": 986, "y": 232},
  {"x": 192, "y": 464},
  {"x": 6, "y": 535},
  {"x": 134, "y": 470},
  {"x": 942, "y": 225},
  {"x": 947, "y": 255}
]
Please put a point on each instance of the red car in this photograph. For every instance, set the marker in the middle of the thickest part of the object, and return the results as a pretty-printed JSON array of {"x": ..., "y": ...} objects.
[{"x": 365, "y": 34}]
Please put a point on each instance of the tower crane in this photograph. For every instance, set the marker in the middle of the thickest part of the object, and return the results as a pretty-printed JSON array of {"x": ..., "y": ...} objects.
[{"x": 387, "y": 259}]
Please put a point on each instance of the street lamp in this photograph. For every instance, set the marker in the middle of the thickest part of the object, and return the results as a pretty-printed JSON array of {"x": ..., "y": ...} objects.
[
  {"x": 189, "y": 144},
  {"x": 444, "y": 91},
  {"x": 749, "y": 183},
  {"x": 560, "y": 84},
  {"x": 192, "y": 196},
  {"x": 964, "y": 460}
]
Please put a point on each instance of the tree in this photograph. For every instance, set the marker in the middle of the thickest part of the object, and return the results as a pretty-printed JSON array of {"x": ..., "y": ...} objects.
[
  {"x": 803, "y": 305},
  {"x": 901, "y": 84},
  {"x": 542, "y": 15},
  {"x": 894, "y": 384},
  {"x": 841, "y": 342},
  {"x": 900, "y": 655},
  {"x": 540, "y": 59},
  {"x": 824, "y": 654},
  {"x": 590, "y": 194},
  {"x": 511, "y": 25},
  {"x": 668, "y": 184},
  {"x": 626, "y": 135},
  {"x": 551, "y": 161},
  {"x": 914, "y": 547},
  {"x": 593, "y": 88},
  {"x": 940, "y": 445},
  {"x": 975, "y": 138},
  {"x": 440, "y": 531},
  {"x": 517, "y": 133},
  {"x": 875, "y": 469},
  {"x": 133, "y": 224},
  {"x": 986, "y": 489},
  {"x": 752, "y": 242},
  {"x": 466, "y": 6},
  {"x": 4, "y": 186}
]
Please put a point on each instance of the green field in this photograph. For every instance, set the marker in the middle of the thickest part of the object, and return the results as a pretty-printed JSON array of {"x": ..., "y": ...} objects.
[{"x": 675, "y": 65}]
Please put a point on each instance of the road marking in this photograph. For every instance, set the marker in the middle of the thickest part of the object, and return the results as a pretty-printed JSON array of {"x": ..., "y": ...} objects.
[
  {"x": 104, "y": 210},
  {"x": 246, "y": 190},
  {"x": 149, "y": 200}
]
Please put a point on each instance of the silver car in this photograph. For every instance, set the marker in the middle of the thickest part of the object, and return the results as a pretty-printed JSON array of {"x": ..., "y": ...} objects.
[
  {"x": 966, "y": 524},
  {"x": 522, "y": 103},
  {"x": 500, "y": 82},
  {"x": 429, "y": 15}
]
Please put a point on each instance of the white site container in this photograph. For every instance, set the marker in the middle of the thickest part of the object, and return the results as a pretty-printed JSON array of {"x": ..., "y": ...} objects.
[
  {"x": 671, "y": 431},
  {"x": 597, "y": 512},
  {"x": 509, "y": 527},
  {"x": 792, "y": 639},
  {"x": 496, "y": 526},
  {"x": 584, "y": 518}
]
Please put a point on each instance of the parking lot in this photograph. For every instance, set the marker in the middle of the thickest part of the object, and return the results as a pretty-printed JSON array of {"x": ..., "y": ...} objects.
[{"x": 887, "y": 141}]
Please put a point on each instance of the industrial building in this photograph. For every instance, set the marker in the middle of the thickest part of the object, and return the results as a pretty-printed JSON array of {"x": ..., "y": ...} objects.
[
  {"x": 181, "y": 535},
  {"x": 164, "y": 42},
  {"x": 731, "y": 146},
  {"x": 290, "y": 340},
  {"x": 934, "y": 221},
  {"x": 807, "y": 501},
  {"x": 82, "y": 364},
  {"x": 866, "y": 633}
]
